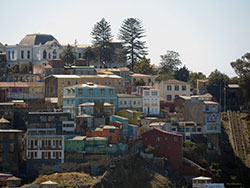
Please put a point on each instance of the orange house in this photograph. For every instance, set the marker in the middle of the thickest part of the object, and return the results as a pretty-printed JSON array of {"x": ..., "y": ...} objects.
[{"x": 109, "y": 132}]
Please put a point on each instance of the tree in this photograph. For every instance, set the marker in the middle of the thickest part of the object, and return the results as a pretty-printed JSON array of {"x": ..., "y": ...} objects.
[
  {"x": 89, "y": 54},
  {"x": 242, "y": 68},
  {"x": 170, "y": 62},
  {"x": 68, "y": 55},
  {"x": 182, "y": 74},
  {"x": 216, "y": 83},
  {"x": 194, "y": 76},
  {"x": 102, "y": 38},
  {"x": 131, "y": 33},
  {"x": 143, "y": 66},
  {"x": 24, "y": 69}
]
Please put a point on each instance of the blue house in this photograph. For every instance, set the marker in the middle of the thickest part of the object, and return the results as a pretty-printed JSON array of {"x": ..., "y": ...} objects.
[
  {"x": 73, "y": 96},
  {"x": 124, "y": 122},
  {"x": 212, "y": 117}
]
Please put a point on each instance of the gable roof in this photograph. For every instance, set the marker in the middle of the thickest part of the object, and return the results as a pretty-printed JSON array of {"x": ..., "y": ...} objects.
[{"x": 162, "y": 131}]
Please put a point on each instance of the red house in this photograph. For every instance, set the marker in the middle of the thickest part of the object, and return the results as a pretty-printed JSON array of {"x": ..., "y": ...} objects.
[{"x": 166, "y": 144}]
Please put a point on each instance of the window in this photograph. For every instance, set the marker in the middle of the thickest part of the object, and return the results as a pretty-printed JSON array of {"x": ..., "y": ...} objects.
[
  {"x": 125, "y": 102},
  {"x": 169, "y": 87},
  {"x": 8, "y": 54},
  {"x": 158, "y": 139},
  {"x": 154, "y": 93},
  {"x": 80, "y": 91},
  {"x": 91, "y": 92},
  {"x": 63, "y": 83},
  {"x": 79, "y": 55},
  {"x": 175, "y": 139},
  {"x": 44, "y": 54},
  {"x": 184, "y": 88},
  {"x": 111, "y": 130},
  {"x": 13, "y": 54},
  {"x": 111, "y": 101},
  {"x": 49, "y": 56},
  {"x": 146, "y": 93},
  {"x": 176, "y": 88},
  {"x": 134, "y": 102},
  {"x": 121, "y": 102},
  {"x": 76, "y": 82},
  {"x": 102, "y": 91},
  {"x": 198, "y": 129},
  {"x": 207, "y": 108},
  {"x": 111, "y": 91},
  {"x": 69, "y": 82},
  {"x": 187, "y": 130},
  {"x": 22, "y": 54},
  {"x": 54, "y": 54},
  {"x": 169, "y": 97},
  {"x": 28, "y": 54}
]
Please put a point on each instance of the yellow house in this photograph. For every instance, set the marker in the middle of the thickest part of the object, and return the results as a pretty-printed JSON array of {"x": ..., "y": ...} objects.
[{"x": 54, "y": 84}]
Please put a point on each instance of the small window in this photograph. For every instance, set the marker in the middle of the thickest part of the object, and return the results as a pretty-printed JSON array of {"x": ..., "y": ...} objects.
[
  {"x": 158, "y": 139},
  {"x": 184, "y": 88},
  {"x": 102, "y": 91},
  {"x": 176, "y": 88},
  {"x": 80, "y": 91},
  {"x": 22, "y": 54},
  {"x": 175, "y": 139},
  {"x": 28, "y": 54},
  {"x": 111, "y": 91},
  {"x": 91, "y": 92},
  {"x": 169, "y": 87},
  {"x": 169, "y": 97},
  {"x": 69, "y": 82}
]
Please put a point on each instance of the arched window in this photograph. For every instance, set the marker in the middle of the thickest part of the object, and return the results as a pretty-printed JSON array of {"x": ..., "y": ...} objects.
[{"x": 44, "y": 54}]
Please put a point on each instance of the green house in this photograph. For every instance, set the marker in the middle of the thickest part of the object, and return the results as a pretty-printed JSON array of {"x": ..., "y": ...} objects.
[{"x": 75, "y": 144}]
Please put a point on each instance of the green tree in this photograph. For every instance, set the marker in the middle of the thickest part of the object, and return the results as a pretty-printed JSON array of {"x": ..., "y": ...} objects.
[
  {"x": 131, "y": 33},
  {"x": 89, "y": 54},
  {"x": 68, "y": 55},
  {"x": 170, "y": 62},
  {"x": 24, "y": 69},
  {"x": 216, "y": 83},
  {"x": 194, "y": 76},
  {"x": 182, "y": 74},
  {"x": 143, "y": 66},
  {"x": 102, "y": 38},
  {"x": 242, "y": 68}
]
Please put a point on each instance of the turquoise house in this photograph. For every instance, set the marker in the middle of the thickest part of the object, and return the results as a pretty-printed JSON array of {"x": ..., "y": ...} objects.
[
  {"x": 73, "y": 96},
  {"x": 124, "y": 122},
  {"x": 75, "y": 144}
]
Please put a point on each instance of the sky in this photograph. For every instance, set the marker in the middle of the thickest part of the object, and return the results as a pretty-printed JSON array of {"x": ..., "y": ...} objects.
[{"x": 208, "y": 35}]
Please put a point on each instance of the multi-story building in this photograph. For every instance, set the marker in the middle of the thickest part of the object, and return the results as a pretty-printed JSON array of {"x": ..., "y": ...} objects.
[
  {"x": 170, "y": 89},
  {"x": 150, "y": 100},
  {"x": 45, "y": 139},
  {"x": 165, "y": 144},
  {"x": 187, "y": 129},
  {"x": 24, "y": 90},
  {"x": 122, "y": 71},
  {"x": 11, "y": 148},
  {"x": 73, "y": 96},
  {"x": 127, "y": 101},
  {"x": 54, "y": 84}
]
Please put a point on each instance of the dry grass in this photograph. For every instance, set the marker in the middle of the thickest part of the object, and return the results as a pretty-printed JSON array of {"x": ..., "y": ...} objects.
[{"x": 73, "y": 179}]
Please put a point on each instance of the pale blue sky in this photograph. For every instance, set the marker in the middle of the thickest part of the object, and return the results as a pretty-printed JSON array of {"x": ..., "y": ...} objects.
[{"x": 207, "y": 34}]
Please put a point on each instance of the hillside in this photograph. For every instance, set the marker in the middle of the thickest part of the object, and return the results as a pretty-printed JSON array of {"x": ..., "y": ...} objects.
[{"x": 127, "y": 172}]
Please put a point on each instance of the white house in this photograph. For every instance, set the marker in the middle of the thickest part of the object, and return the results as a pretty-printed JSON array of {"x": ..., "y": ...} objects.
[
  {"x": 170, "y": 89},
  {"x": 150, "y": 101}
]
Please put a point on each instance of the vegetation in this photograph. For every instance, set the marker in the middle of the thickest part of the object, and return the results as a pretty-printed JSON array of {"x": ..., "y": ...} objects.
[
  {"x": 89, "y": 54},
  {"x": 194, "y": 76},
  {"x": 242, "y": 68},
  {"x": 102, "y": 38},
  {"x": 131, "y": 33},
  {"x": 143, "y": 66},
  {"x": 182, "y": 74},
  {"x": 68, "y": 55},
  {"x": 216, "y": 83}
]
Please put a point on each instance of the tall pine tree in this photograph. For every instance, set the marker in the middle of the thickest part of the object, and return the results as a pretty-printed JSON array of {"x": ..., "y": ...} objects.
[
  {"x": 102, "y": 38},
  {"x": 131, "y": 33}
]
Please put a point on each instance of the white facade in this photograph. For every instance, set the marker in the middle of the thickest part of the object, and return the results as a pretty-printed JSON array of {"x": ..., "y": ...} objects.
[
  {"x": 151, "y": 101},
  {"x": 126, "y": 101},
  {"x": 45, "y": 147},
  {"x": 169, "y": 89}
]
